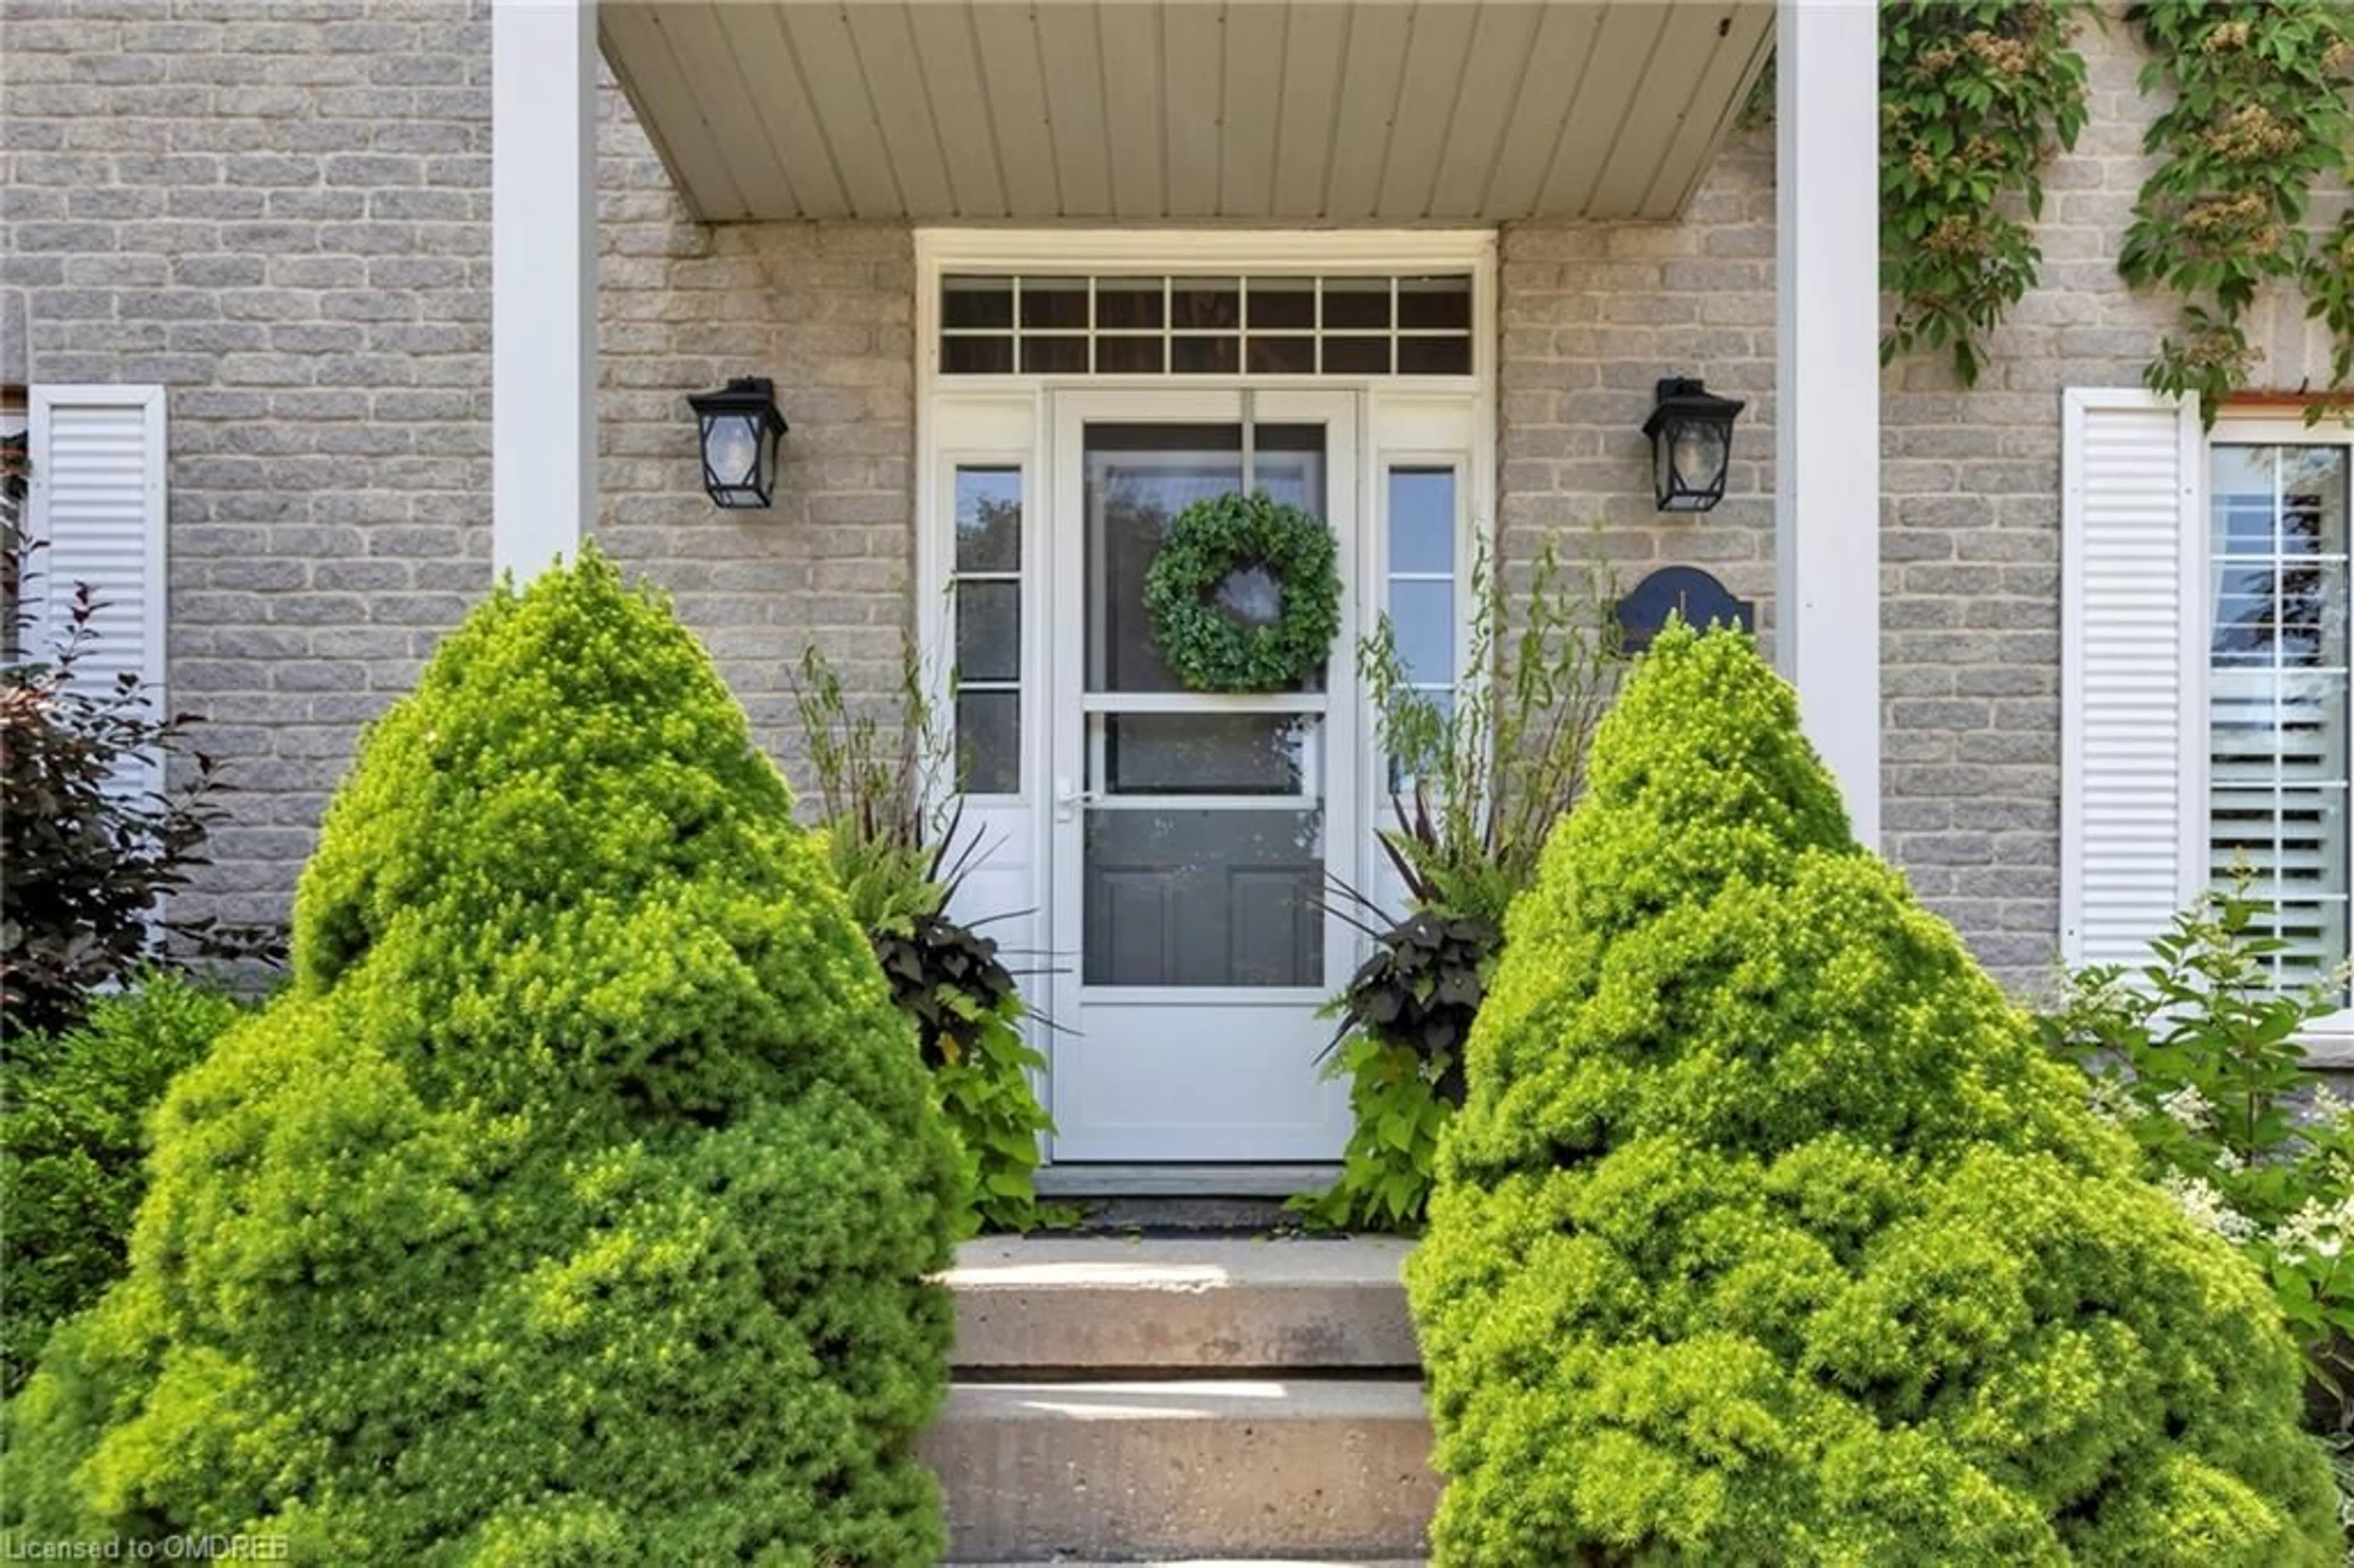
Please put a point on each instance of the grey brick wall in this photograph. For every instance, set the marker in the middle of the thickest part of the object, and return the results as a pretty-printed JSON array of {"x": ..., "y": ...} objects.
[
  {"x": 827, "y": 312},
  {"x": 1970, "y": 479},
  {"x": 279, "y": 210}
]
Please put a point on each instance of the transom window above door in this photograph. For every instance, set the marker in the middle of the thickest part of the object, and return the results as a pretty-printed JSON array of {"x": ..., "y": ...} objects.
[{"x": 1170, "y": 324}]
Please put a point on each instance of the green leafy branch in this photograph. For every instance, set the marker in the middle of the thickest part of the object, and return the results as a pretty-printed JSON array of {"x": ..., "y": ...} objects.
[
  {"x": 1973, "y": 100},
  {"x": 2261, "y": 113}
]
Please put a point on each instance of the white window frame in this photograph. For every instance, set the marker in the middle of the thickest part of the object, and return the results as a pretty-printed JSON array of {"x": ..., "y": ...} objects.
[
  {"x": 2167, "y": 621},
  {"x": 2329, "y": 1041}
]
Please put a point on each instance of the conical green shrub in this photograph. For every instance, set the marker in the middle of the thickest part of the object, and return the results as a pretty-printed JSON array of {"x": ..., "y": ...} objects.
[
  {"x": 576, "y": 1204},
  {"x": 1768, "y": 1235}
]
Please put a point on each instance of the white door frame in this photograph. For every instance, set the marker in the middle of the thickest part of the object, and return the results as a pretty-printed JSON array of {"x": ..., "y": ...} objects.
[
  {"x": 1123, "y": 1087},
  {"x": 1005, "y": 420}
]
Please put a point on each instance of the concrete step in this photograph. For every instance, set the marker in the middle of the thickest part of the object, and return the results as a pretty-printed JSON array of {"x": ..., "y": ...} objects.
[
  {"x": 1060, "y": 1305},
  {"x": 1321, "y": 1469}
]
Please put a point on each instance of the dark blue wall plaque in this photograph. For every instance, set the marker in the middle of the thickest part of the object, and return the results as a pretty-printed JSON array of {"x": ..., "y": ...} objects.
[{"x": 1685, "y": 591}]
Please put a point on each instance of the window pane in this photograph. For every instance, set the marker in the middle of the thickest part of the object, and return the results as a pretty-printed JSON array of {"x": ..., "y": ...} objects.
[
  {"x": 2265, "y": 728},
  {"x": 1422, "y": 519},
  {"x": 1054, "y": 356},
  {"x": 1357, "y": 304},
  {"x": 1128, "y": 302},
  {"x": 1282, "y": 302},
  {"x": 1356, "y": 356},
  {"x": 1206, "y": 304},
  {"x": 976, "y": 301},
  {"x": 989, "y": 742},
  {"x": 989, "y": 631},
  {"x": 1055, "y": 302},
  {"x": 1422, "y": 619},
  {"x": 977, "y": 356},
  {"x": 1205, "y": 754},
  {"x": 1130, "y": 356},
  {"x": 1434, "y": 356},
  {"x": 1282, "y": 356},
  {"x": 1288, "y": 462},
  {"x": 2277, "y": 694},
  {"x": 989, "y": 519},
  {"x": 1418, "y": 728},
  {"x": 1203, "y": 357},
  {"x": 1139, "y": 477},
  {"x": 1434, "y": 302}
]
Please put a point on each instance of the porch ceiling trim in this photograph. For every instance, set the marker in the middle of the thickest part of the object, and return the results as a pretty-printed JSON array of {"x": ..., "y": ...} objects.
[{"x": 1311, "y": 111}]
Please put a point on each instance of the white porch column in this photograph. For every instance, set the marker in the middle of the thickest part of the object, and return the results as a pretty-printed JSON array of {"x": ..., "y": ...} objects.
[
  {"x": 543, "y": 281},
  {"x": 1827, "y": 385}
]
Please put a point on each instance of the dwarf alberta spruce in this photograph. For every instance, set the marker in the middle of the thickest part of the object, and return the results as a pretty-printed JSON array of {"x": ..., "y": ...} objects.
[
  {"x": 1769, "y": 1235},
  {"x": 575, "y": 1206}
]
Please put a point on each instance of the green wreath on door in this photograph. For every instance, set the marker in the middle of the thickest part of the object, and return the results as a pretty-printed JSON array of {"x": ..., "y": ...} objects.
[{"x": 1192, "y": 592}]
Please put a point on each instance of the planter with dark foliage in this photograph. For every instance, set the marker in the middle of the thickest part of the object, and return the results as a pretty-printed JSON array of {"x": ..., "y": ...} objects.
[
  {"x": 901, "y": 859},
  {"x": 947, "y": 978},
  {"x": 1478, "y": 782},
  {"x": 1423, "y": 987}
]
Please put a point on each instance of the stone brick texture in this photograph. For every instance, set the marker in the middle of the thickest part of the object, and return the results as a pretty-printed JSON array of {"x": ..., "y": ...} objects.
[
  {"x": 827, "y": 311},
  {"x": 279, "y": 210},
  {"x": 1593, "y": 314}
]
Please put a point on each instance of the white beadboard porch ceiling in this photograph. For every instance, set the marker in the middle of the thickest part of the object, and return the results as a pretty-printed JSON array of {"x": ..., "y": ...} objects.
[{"x": 1268, "y": 111}]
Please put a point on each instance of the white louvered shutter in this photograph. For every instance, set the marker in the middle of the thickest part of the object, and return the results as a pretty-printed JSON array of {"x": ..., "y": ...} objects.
[
  {"x": 96, "y": 501},
  {"x": 2133, "y": 807}
]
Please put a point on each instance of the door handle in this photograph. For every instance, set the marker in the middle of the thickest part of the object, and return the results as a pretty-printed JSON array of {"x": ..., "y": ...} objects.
[{"x": 1068, "y": 799}]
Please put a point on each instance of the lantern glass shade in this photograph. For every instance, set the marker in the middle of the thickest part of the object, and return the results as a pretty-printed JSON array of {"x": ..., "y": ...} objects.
[
  {"x": 1691, "y": 431},
  {"x": 739, "y": 428}
]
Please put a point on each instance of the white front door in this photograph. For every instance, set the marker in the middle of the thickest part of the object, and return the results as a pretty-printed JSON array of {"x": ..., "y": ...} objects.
[{"x": 1189, "y": 833}]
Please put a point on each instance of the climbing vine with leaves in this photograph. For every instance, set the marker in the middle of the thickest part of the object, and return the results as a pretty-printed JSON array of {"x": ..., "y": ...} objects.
[
  {"x": 2262, "y": 112},
  {"x": 1975, "y": 98}
]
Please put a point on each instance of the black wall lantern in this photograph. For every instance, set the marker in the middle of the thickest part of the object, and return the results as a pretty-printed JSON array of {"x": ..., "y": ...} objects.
[
  {"x": 740, "y": 428},
  {"x": 1691, "y": 444}
]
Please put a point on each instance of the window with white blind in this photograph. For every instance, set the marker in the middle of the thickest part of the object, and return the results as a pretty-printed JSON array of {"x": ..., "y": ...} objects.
[
  {"x": 2277, "y": 685},
  {"x": 2208, "y": 707}
]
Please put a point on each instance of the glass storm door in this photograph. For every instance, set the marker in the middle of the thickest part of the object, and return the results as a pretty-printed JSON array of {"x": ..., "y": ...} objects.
[{"x": 1191, "y": 832}]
